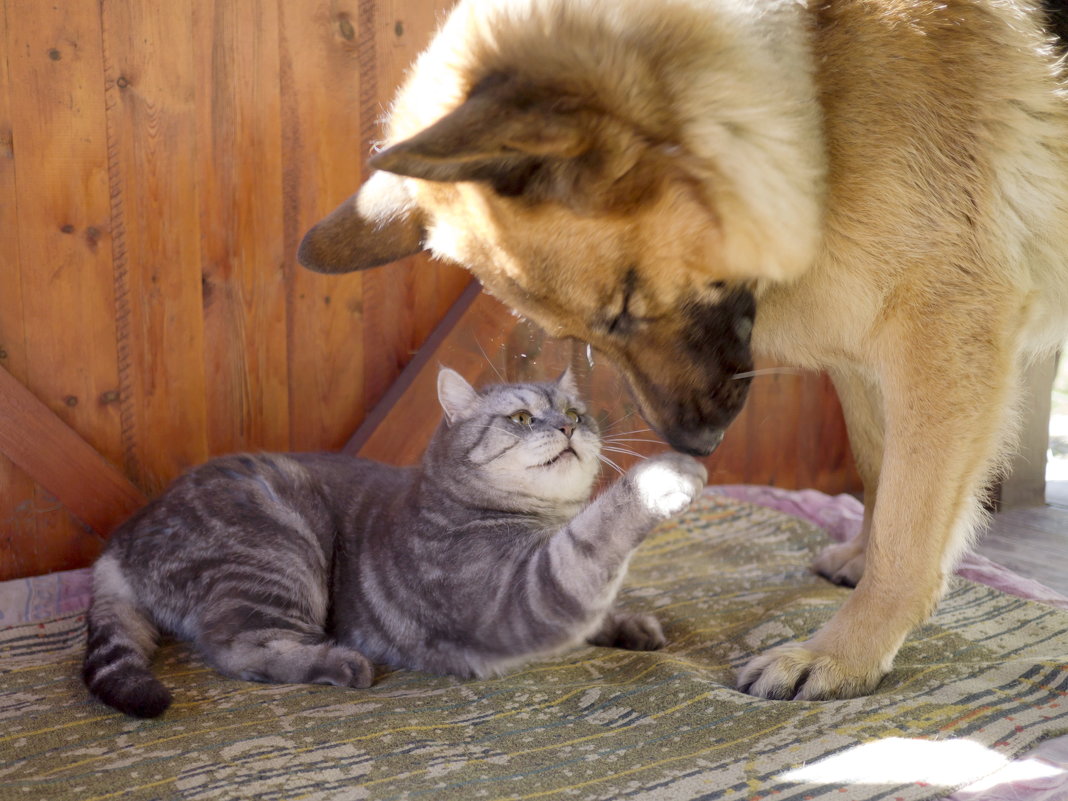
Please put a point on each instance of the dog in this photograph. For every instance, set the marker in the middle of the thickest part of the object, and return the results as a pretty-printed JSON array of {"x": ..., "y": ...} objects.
[{"x": 876, "y": 188}]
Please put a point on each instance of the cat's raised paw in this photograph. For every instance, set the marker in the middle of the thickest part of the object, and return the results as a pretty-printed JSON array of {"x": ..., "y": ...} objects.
[{"x": 668, "y": 483}]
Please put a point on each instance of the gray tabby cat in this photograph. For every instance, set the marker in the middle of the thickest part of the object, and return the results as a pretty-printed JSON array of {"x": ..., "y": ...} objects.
[{"x": 309, "y": 567}]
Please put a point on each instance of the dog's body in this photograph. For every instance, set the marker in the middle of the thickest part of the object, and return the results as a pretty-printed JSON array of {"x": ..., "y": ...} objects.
[{"x": 884, "y": 181}]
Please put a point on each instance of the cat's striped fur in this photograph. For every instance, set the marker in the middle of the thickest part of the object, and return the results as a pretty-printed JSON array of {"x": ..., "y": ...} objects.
[{"x": 310, "y": 567}]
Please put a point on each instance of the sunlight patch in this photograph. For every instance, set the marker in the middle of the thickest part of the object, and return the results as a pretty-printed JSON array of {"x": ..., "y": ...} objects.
[{"x": 948, "y": 763}]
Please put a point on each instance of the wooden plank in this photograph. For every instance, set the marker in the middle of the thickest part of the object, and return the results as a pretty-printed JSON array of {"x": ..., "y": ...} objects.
[
  {"x": 18, "y": 524},
  {"x": 403, "y": 302},
  {"x": 150, "y": 99},
  {"x": 55, "y": 91},
  {"x": 321, "y": 89},
  {"x": 406, "y": 27},
  {"x": 387, "y": 318},
  {"x": 399, "y": 431},
  {"x": 420, "y": 365},
  {"x": 50, "y": 451},
  {"x": 239, "y": 176}
]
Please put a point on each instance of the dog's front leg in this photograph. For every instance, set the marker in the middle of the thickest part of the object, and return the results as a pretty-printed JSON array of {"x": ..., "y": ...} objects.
[
  {"x": 862, "y": 407},
  {"x": 946, "y": 419}
]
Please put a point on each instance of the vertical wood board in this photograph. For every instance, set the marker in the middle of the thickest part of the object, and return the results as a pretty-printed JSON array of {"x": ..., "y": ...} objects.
[
  {"x": 58, "y": 135},
  {"x": 150, "y": 94}
]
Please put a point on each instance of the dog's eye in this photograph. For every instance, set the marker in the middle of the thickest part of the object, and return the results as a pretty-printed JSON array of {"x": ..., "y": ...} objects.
[{"x": 622, "y": 324}]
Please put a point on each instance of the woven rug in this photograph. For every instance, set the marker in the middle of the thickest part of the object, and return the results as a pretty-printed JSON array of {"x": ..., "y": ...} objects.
[{"x": 983, "y": 681}]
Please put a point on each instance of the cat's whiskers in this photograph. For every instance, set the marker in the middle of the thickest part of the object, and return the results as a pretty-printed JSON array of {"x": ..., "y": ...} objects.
[
  {"x": 609, "y": 426},
  {"x": 632, "y": 439},
  {"x": 502, "y": 430},
  {"x": 610, "y": 463},
  {"x": 627, "y": 451},
  {"x": 768, "y": 371}
]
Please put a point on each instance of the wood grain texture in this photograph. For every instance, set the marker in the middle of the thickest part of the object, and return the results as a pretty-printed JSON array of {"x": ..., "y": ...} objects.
[
  {"x": 399, "y": 433},
  {"x": 240, "y": 194},
  {"x": 51, "y": 452},
  {"x": 18, "y": 524},
  {"x": 397, "y": 297},
  {"x": 422, "y": 369},
  {"x": 159, "y": 164},
  {"x": 150, "y": 92},
  {"x": 1031, "y": 540},
  {"x": 319, "y": 49},
  {"x": 55, "y": 91}
]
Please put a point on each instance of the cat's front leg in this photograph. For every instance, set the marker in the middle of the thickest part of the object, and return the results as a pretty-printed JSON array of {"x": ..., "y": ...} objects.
[
  {"x": 664, "y": 485},
  {"x": 589, "y": 555}
]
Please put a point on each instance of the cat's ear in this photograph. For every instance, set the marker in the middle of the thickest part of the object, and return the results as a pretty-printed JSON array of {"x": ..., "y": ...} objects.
[
  {"x": 455, "y": 395},
  {"x": 567, "y": 384}
]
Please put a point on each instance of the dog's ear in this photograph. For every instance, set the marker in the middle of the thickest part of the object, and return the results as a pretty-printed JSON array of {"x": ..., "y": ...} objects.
[
  {"x": 499, "y": 133},
  {"x": 377, "y": 225}
]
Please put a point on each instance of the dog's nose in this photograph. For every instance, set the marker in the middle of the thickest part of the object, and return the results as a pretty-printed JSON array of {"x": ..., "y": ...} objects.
[{"x": 700, "y": 442}]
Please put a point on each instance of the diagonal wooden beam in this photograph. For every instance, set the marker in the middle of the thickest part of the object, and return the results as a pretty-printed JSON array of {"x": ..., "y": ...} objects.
[
  {"x": 55, "y": 456},
  {"x": 413, "y": 393}
]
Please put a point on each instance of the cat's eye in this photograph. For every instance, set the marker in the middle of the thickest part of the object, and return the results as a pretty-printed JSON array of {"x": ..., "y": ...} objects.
[
  {"x": 573, "y": 415},
  {"x": 523, "y": 417}
]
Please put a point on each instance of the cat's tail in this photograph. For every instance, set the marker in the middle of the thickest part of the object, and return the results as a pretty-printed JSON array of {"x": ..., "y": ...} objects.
[{"x": 121, "y": 642}]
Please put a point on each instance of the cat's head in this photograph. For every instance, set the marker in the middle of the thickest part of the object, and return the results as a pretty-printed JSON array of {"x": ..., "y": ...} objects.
[{"x": 525, "y": 441}]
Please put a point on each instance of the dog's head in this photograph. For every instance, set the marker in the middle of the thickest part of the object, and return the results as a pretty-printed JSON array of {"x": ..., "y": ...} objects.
[{"x": 548, "y": 153}]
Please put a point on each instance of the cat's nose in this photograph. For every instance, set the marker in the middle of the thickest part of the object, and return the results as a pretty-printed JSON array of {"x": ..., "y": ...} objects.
[{"x": 568, "y": 430}]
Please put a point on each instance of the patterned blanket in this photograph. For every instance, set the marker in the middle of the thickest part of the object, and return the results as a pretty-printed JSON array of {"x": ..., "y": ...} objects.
[{"x": 984, "y": 680}]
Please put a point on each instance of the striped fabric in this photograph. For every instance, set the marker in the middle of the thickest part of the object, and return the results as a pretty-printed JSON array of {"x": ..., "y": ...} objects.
[{"x": 983, "y": 681}]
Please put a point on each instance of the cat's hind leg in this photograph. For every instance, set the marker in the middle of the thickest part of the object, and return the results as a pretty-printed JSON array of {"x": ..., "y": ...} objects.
[
  {"x": 633, "y": 632},
  {"x": 288, "y": 657},
  {"x": 258, "y": 634}
]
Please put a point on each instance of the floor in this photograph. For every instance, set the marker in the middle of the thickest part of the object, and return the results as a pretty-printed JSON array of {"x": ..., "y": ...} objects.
[{"x": 1033, "y": 541}]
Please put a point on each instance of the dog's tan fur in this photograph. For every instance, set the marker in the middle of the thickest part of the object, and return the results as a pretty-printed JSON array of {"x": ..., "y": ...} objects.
[{"x": 888, "y": 177}]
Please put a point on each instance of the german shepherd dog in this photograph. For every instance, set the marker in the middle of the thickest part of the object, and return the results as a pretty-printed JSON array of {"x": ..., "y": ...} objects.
[{"x": 876, "y": 188}]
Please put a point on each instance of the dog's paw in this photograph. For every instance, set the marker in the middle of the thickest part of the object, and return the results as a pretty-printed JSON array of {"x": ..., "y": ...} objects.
[
  {"x": 668, "y": 483},
  {"x": 800, "y": 672},
  {"x": 842, "y": 563}
]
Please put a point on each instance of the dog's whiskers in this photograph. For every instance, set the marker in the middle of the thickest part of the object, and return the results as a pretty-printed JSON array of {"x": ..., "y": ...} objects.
[
  {"x": 632, "y": 439},
  {"x": 490, "y": 361},
  {"x": 635, "y": 431},
  {"x": 768, "y": 371},
  {"x": 627, "y": 451}
]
